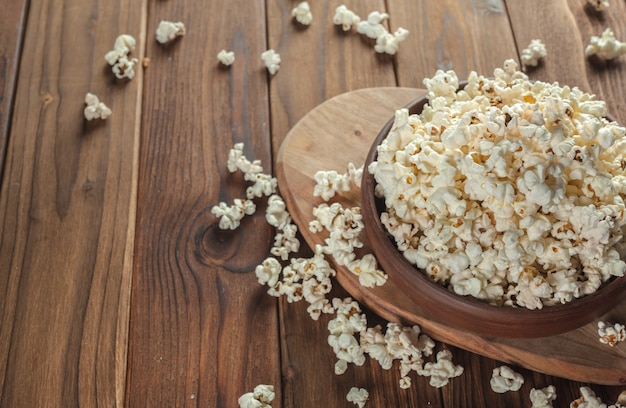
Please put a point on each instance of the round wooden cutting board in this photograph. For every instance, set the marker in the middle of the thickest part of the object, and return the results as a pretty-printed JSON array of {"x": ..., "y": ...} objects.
[{"x": 340, "y": 131}]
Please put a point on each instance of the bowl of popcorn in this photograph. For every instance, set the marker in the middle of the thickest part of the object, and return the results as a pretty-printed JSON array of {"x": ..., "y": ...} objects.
[{"x": 497, "y": 205}]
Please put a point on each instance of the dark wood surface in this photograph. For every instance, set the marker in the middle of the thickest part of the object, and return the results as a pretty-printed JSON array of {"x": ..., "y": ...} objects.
[{"x": 117, "y": 288}]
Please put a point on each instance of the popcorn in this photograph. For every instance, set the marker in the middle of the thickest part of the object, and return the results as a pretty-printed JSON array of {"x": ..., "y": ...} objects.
[
  {"x": 533, "y": 53},
  {"x": 588, "y": 399},
  {"x": 302, "y": 13},
  {"x": 95, "y": 109},
  {"x": 611, "y": 334},
  {"x": 259, "y": 398},
  {"x": 358, "y": 396},
  {"x": 367, "y": 270},
  {"x": 389, "y": 43},
  {"x": 442, "y": 370},
  {"x": 542, "y": 398},
  {"x": 272, "y": 61},
  {"x": 504, "y": 379},
  {"x": 606, "y": 47},
  {"x": 227, "y": 58},
  {"x": 345, "y": 18},
  {"x": 373, "y": 27},
  {"x": 599, "y": 5},
  {"x": 168, "y": 31},
  {"x": 123, "y": 67},
  {"x": 507, "y": 190},
  {"x": 231, "y": 216}
]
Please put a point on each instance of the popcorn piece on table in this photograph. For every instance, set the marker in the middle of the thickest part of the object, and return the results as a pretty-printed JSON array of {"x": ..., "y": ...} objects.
[
  {"x": 599, "y": 5},
  {"x": 388, "y": 43},
  {"x": 345, "y": 17},
  {"x": 367, "y": 270},
  {"x": 504, "y": 379},
  {"x": 122, "y": 66},
  {"x": 330, "y": 182},
  {"x": 272, "y": 61},
  {"x": 606, "y": 47},
  {"x": 342, "y": 329},
  {"x": 588, "y": 399},
  {"x": 611, "y": 334},
  {"x": 442, "y": 370},
  {"x": 358, "y": 396},
  {"x": 227, "y": 58},
  {"x": 95, "y": 109},
  {"x": 542, "y": 398},
  {"x": 169, "y": 30},
  {"x": 302, "y": 13},
  {"x": 373, "y": 27},
  {"x": 533, "y": 53},
  {"x": 231, "y": 216},
  {"x": 261, "y": 397}
]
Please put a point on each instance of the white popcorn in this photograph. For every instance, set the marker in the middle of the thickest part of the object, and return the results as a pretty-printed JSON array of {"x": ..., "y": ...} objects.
[
  {"x": 367, "y": 270},
  {"x": 504, "y": 379},
  {"x": 169, "y": 30},
  {"x": 302, "y": 13},
  {"x": 95, "y": 109},
  {"x": 611, "y": 334},
  {"x": 606, "y": 47},
  {"x": 508, "y": 190},
  {"x": 388, "y": 43},
  {"x": 276, "y": 213},
  {"x": 268, "y": 272},
  {"x": 531, "y": 55},
  {"x": 230, "y": 216},
  {"x": 373, "y": 27},
  {"x": 345, "y": 17},
  {"x": 358, "y": 396},
  {"x": 227, "y": 58},
  {"x": 122, "y": 66},
  {"x": 599, "y": 5},
  {"x": 261, "y": 397},
  {"x": 542, "y": 398},
  {"x": 588, "y": 399},
  {"x": 442, "y": 370},
  {"x": 272, "y": 61}
]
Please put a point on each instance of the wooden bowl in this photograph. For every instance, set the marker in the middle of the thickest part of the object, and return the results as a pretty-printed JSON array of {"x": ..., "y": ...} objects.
[{"x": 466, "y": 312}]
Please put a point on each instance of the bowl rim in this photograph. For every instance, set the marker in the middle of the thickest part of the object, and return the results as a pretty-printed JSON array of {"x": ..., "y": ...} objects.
[{"x": 498, "y": 321}]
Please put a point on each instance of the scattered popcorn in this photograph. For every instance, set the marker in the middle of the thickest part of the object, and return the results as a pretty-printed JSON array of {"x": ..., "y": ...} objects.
[
  {"x": 358, "y": 396},
  {"x": 442, "y": 370},
  {"x": 168, "y": 31},
  {"x": 606, "y": 47},
  {"x": 588, "y": 399},
  {"x": 123, "y": 67},
  {"x": 389, "y": 43},
  {"x": 504, "y": 379},
  {"x": 271, "y": 60},
  {"x": 95, "y": 109},
  {"x": 611, "y": 334},
  {"x": 533, "y": 53},
  {"x": 329, "y": 182},
  {"x": 345, "y": 18},
  {"x": 259, "y": 398},
  {"x": 302, "y": 13},
  {"x": 227, "y": 58},
  {"x": 542, "y": 398},
  {"x": 367, "y": 270},
  {"x": 508, "y": 190},
  {"x": 599, "y": 5},
  {"x": 373, "y": 27},
  {"x": 231, "y": 216}
]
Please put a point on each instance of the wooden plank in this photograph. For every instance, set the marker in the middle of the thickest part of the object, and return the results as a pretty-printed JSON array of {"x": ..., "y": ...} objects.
[
  {"x": 67, "y": 211},
  {"x": 11, "y": 34},
  {"x": 203, "y": 332},
  {"x": 465, "y": 36},
  {"x": 565, "y": 44}
]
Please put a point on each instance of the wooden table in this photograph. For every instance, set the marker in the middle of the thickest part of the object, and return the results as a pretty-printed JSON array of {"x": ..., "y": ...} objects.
[{"x": 116, "y": 285}]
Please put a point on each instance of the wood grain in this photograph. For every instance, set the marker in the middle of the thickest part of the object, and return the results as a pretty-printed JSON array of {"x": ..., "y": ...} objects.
[
  {"x": 67, "y": 212},
  {"x": 203, "y": 332},
  {"x": 464, "y": 36},
  {"x": 11, "y": 34},
  {"x": 333, "y": 123}
]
